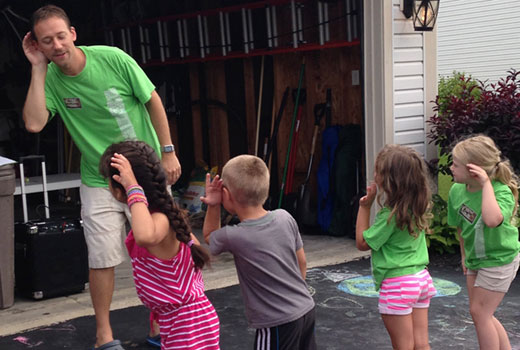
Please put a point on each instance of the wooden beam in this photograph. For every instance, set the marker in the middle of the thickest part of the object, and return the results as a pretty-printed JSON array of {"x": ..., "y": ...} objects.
[
  {"x": 217, "y": 119},
  {"x": 249, "y": 86},
  {"x": 195, "y": 115}
]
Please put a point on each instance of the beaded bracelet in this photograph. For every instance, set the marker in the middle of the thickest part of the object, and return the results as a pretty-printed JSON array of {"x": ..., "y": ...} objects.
[
  {"x": 135, "y": 194},
  {"x": 133, "y": 188}
]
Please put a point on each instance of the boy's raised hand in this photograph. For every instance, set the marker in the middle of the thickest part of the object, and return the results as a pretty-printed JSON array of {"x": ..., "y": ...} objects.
[
  {"x": 213, "y": 191},
  {"x": 368, "y": 199},
  {"x": 126, "y": 175}
]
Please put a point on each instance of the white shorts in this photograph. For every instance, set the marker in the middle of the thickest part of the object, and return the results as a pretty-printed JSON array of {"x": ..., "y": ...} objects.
[
  {"x": 498, "y": 278},
  {"x": 104, "y": 225}
]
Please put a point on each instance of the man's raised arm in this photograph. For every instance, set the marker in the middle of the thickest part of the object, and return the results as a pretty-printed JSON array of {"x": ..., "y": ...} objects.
[{"x": 35, "y": 113}]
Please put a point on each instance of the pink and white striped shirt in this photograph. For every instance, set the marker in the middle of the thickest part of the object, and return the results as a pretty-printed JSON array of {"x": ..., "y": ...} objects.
[{"x": 174, "y": 291}]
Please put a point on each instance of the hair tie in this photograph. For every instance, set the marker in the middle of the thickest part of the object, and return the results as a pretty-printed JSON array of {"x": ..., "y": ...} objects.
[
  {"x": 190, "y": 243},
  {"x": 496, "y": 165}
]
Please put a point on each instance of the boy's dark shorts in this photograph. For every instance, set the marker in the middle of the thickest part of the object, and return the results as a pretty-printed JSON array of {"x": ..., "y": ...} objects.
[{"x": 296, "y": 335}]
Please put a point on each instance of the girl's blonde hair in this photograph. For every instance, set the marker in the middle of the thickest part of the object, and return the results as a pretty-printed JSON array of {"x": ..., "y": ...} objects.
[
  {"x": 402, "y": 176},
  {"x": 482, "y": 151}
]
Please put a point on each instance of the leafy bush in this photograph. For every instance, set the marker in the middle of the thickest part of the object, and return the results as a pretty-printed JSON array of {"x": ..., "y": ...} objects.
[
  {"x": 465, "y": 107},
  {"x": 492, "y": 109},
  {"x": 458, "y": 85},
  {"x": 443, "y": 238}
]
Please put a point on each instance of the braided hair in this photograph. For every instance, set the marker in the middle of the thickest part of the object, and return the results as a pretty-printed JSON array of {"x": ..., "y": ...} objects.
[{"x": 150, "y": 175}]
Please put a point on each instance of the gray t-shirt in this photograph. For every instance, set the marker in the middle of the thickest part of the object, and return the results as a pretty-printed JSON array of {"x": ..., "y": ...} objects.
[{"x": 264, "y": 249}]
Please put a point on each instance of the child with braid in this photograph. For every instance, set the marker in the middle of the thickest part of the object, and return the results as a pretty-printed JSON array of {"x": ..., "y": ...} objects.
[{"x": 166, "y": 258}]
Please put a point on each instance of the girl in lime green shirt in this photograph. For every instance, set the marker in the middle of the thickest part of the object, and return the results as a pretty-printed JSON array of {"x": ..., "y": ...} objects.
[
  {"x": 481, "y": 204},
  {"x": 397, "y": 240}
]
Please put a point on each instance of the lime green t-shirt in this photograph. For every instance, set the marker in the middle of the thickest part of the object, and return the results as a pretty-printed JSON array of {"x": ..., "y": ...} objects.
[
  {"x": 484, "y": 246},
  {"x": 102, "y": 105},
  {"x": 394, "y": 251}
]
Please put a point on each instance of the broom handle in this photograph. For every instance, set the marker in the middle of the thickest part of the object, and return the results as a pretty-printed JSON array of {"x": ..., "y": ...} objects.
[
  {"x": 295, "y": 112},
  {"x": 259, "y": 111}
]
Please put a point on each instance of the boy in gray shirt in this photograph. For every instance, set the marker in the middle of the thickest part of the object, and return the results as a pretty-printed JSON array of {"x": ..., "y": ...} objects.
[{"x": 268, "y": 253}]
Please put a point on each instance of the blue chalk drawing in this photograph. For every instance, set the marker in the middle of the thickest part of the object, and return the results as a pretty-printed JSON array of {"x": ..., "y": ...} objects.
[{"x": 364, "y": 286}]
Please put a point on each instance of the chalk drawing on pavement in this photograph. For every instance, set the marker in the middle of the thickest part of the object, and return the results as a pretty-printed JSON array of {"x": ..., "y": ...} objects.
[
  {"x": 61, "y": 327},
  {"x": 340, "y": 303},
  {"x": 337, "y": 275},
  {"x": 27, "y": 342},
  {"x": 445, "y": 288},
  {"x": 364, "y": 286},
  {"x": 361, "y": 286},
  {"x": 340, "y": 276}
]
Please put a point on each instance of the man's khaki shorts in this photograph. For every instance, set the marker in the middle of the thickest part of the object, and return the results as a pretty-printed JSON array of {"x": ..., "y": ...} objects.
[
  {"x": 496, "y": 279},
  {"x": 104, "y": 224}
]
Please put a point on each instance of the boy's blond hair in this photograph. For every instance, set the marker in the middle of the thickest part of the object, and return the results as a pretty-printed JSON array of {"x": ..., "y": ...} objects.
[{"x": 247, "y": 179}]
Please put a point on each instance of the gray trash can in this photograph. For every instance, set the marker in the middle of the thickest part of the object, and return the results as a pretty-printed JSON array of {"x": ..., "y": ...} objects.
[{"x": 7, "y": 187}]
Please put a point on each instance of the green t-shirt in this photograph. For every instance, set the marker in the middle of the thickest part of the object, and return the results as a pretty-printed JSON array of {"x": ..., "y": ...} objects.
[
  {"x": 484, "y": 246},
  {"x": 102, "y": 105},
  {"x": 394, "y": 251}
]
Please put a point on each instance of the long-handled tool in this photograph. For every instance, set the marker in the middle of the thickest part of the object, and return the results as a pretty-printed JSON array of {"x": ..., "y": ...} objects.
[
  {"x": 259, "y": 110},
  {"x": 304, "y": 212},
  {"x": 274, "y": 133},
  {"x": 294, "y": 150},
  {"x": 284, "y": 178}
]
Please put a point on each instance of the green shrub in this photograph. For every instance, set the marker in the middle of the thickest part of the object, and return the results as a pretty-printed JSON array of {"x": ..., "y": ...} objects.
[
  {"x": 443, "y": 238},
  {"x": 465, "y": 107},
  {"x": 459, "y": 85},
  {"x": 492, "y": 110}
]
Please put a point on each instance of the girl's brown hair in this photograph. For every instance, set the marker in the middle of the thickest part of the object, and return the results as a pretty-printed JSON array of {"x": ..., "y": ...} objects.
[
  {"x": 150, "y": 175},
  {"x": 402, "y": 176},
  {"x": 482, "y": 151}
]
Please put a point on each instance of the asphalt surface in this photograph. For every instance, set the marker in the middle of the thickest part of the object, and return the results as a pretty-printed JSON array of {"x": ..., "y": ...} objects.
[{"x": 344, "y": 320}]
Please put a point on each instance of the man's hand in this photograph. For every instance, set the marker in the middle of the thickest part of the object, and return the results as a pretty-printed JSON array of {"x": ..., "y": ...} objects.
[
  {"x": 368, "y": 199},
  {"x": 30, "y": 48},
  {"x": 126, "y": 175},
  {"x": 213, "y": 191},
  {"x": 172, "y": 167}
]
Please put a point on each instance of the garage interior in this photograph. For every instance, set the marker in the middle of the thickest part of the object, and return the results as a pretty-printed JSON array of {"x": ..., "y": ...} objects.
[{"x": 222, "y": 69}]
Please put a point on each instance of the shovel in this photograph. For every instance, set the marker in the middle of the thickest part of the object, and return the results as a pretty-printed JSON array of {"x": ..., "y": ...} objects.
[{"x": 305, "y": 215}]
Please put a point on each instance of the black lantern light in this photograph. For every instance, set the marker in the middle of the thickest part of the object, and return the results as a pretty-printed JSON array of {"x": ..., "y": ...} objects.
[{"x": 424, "y": 13}]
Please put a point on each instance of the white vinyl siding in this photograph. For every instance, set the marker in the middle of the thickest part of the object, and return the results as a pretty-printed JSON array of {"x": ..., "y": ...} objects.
[
  {"x": 408, "y": 82},
  {"x": 478, "y": 37}
]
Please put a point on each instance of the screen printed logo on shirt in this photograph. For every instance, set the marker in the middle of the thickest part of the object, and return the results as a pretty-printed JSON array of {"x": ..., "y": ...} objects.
[
  {"x": 72, "y": 102},
  {"x": 467, "y": 213}
]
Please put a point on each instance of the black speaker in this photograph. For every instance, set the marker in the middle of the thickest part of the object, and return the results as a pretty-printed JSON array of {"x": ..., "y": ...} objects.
[{"x": 50, "y": 258}]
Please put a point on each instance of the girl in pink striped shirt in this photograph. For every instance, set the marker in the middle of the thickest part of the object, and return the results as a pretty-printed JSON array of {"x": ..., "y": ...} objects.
[
  {"x": 397, "y": 240},
  {"x": 166, "y": 257}
]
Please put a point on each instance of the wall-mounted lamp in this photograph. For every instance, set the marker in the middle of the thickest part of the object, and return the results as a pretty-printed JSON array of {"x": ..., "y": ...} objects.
[{"x": 424, "y": 13}]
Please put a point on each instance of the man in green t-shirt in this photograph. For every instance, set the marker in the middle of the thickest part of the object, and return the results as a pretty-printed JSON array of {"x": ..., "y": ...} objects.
[{"x": 103, "y": 97}]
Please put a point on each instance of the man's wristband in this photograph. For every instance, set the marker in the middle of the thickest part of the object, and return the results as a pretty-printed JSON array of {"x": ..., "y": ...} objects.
[{"x": 168, "y": 149}]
